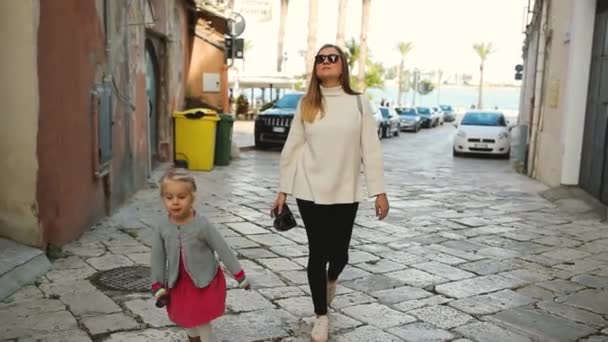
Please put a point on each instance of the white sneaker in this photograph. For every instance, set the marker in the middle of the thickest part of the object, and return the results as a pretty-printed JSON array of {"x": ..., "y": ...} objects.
[{"x": 320, "y": 330}]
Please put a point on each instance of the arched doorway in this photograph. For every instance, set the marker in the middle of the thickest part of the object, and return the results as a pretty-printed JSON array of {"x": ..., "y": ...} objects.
[{"x": 152, "y": 92}]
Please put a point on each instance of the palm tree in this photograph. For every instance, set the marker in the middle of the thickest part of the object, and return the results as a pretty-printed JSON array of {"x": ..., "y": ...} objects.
[
  {"x": 341, "y": 23},
  {"x": 311, "y": 43},
  {"x": 482, "y": 50},
  {"x": 365, "y": 14},
  {"x": 439, "y": 80},
  {"x": 280, "y": 41},
  {"x": 353, "y": 50},
  {"x": 404, "y": 49}
]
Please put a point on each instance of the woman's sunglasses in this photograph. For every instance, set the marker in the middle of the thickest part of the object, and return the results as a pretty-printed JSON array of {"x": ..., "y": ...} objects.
[{"x": 333, "y": 58}]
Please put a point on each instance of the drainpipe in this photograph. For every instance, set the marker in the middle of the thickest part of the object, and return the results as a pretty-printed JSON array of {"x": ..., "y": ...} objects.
[
  {"x": 538, "y": 91},
  {"x": 106, "y": 24}
]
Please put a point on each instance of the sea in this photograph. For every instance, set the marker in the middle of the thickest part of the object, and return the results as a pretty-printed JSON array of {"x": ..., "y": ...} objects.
[{"x": 459, "y": 97}]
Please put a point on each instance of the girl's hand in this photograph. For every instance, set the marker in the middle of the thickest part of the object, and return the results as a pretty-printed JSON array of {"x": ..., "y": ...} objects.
[
  {"x": 162, "y": 298},
  {"x": 381, "y": 206},
  {"x": 278, "y": 203},
  {"x": 244, "y": 284}
]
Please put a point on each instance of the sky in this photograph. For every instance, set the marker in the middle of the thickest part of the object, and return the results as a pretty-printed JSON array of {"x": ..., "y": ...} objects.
[{"x": 442, "y": 31}]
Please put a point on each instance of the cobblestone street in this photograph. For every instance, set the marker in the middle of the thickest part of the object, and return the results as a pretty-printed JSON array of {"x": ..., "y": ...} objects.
[{"x": 469, "y": 252}]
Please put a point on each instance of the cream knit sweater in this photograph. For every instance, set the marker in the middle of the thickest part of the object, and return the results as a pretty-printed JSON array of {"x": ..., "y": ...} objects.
[{"x": 321, "y": 161}]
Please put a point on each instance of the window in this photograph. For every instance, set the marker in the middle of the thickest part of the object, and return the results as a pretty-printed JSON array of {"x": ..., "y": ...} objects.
[
  {"x": 104, "y": 124},
  {"x": 385, "y": 112},
  {"x": 483, "y": 119},
  {"x": 424, "y": 110},
  {"x": 288, "y": 101}
]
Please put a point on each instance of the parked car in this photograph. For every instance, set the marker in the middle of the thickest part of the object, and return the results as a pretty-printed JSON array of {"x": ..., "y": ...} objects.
[
  {"x": 428, "y": 116},
  {"x": 439, "y": 113},
  {"x": 483, "y": 132},
  {"x": 391, "y": 123},
  {"x": 272, "y": 125},
  {"x": 379, "y": 127},
  {"x": 410, "y": 120},
  {"x": 449, "y": 114}
]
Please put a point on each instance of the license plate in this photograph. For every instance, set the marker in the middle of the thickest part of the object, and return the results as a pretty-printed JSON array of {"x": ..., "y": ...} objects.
[
  {"x": 278, "y": 129},
  {"x": 481, "y": 145}
]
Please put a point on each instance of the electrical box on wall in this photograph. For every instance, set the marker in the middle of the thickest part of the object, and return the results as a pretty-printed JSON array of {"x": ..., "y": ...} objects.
[{"x": 211, "y": 82}]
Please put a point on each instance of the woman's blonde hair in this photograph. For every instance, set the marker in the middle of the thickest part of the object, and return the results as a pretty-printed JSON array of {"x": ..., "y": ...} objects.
[
  {"x": 312, "y": 102},
  {"x": 178, "y": 176}
]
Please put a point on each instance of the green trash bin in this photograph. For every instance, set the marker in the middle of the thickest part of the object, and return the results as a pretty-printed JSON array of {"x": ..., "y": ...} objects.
[{"x": 223, "y": 142}]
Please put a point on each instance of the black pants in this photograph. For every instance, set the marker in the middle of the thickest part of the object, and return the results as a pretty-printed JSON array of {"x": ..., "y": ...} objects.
[{"x": 329, "y": 229}]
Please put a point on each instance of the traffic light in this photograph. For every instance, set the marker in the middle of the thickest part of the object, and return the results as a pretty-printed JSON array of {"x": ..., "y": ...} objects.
[
  {"x": 518, "y": 72},
  {"x": 234, "y": 47}
]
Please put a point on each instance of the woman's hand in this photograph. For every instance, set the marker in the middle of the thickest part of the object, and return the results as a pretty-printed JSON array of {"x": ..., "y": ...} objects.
[
  {"x": 381, "y": 206},
  {"x": 279, "y": 202}
]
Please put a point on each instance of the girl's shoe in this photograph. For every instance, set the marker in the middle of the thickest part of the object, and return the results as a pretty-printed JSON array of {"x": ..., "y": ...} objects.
[
  {"x": 331, "y": 292},
  {"x": 320, "y": 330}
]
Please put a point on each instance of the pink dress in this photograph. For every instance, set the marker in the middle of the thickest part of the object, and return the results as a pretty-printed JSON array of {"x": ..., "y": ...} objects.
[{"x": 190, "y": 306}]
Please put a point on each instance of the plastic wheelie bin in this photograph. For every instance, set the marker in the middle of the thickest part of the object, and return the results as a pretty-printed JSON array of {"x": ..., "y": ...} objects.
[
  {"x": 195, "y": 131},
  {"x": 223, "y": 142}
]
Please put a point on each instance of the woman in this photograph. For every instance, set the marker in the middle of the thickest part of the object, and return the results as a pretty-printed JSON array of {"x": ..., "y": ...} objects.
[{"x": 332, "y": 133}]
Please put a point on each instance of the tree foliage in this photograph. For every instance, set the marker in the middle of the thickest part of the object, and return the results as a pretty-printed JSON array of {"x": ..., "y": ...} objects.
[
  {"x": 352, "y": 52},
  {"x": 391, "y": 73},
  {"x": 483, "y": 50},
  {"x": 425, "y": 87}
]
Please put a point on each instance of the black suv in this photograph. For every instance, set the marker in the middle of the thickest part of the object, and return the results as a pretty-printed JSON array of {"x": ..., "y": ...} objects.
[{"x": 272, "y": 125}]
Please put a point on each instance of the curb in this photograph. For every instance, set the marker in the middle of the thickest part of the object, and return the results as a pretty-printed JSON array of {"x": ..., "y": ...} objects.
[{"x": 247, "y": 148}]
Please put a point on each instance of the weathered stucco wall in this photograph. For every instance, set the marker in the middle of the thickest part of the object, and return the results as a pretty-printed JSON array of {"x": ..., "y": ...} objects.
[
  {"x": 53, "y": 186},
  {"x": 70, "y": 196},
  {"x": 19, "y": 98},
  {"x": 207, "y": 58},
  {"x": 549, "y": 147}
]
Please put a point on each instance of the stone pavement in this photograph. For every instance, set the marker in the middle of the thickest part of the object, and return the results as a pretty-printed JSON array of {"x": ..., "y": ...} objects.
[
  {"x": 469, "y": 252},
  {"x": 242, "y": 133}
]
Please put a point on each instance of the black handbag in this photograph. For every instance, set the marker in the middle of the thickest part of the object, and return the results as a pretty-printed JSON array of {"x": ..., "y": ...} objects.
[{"x": 283, "y": 221}]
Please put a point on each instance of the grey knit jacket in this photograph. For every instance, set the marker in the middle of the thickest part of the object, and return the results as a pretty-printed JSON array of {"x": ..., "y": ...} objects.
[{"x": 199, "y": 240}]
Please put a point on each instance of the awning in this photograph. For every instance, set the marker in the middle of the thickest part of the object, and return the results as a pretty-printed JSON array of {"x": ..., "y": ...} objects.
[
  {"x": 252, "y": 81},
  {"x": 210, "y": 8}
]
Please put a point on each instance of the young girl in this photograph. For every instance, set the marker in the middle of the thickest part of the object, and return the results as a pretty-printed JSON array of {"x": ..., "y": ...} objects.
[{"x": 186, "y": 275}]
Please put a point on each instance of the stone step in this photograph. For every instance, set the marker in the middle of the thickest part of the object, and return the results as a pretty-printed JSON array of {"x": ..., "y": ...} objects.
[{"x": 20, "y": 265}]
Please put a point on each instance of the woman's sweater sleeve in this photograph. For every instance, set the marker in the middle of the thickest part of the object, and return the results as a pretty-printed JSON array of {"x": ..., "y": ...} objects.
[
  {"x": 371, "y": 152},
  {"x": 290, "y": 153}
]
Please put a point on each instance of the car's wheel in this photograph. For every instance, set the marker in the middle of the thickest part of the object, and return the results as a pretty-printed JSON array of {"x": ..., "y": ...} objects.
[
  {"x": 418, "y": 128},
  {"x": 456, "y": 153},
  {"x": 506, "y": 156}
]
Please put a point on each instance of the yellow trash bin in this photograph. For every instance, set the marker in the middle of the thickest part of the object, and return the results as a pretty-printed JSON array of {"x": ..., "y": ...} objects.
[{"x": 195, "y": 138}]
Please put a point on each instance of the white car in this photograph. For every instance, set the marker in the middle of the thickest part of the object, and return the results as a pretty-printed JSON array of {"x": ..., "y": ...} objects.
[
  {"x": 440, "y": 114},
  {"x": 483, "y": 132}
]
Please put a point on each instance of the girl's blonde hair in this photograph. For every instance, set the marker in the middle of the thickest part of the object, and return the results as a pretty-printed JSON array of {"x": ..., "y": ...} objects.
[
  {"x": 178, "y": 176},
  {"x": 312, "y": 102}
]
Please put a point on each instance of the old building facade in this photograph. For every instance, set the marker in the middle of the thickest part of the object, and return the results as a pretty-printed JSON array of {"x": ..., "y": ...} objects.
[
  {"x": 90, "y": 86},
  {"x": 563, "y": 104}
]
